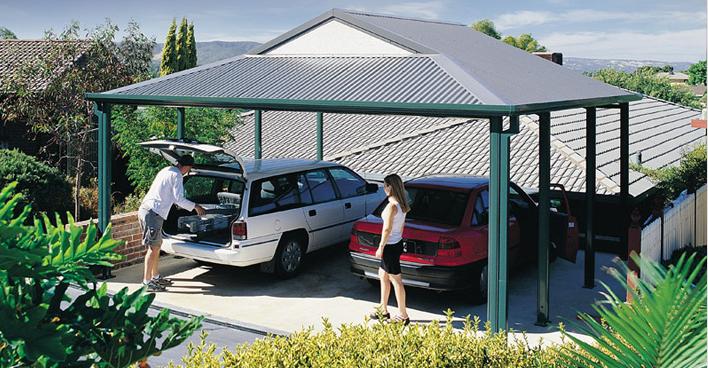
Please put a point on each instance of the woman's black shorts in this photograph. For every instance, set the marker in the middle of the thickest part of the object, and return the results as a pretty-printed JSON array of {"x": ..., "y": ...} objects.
[{"x": 391, "y": 260}]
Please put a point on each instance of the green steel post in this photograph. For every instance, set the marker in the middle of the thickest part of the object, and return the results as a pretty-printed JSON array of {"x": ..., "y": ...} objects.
[
  {"x": 104, "y": 166},
  {"x": 257, "y": 151},
  {"x": 624, "y": 171},
  {"x": 320, "y": 139},
  {"x": 498, "y": 225},
  {"x": 590, "y": 167},
  {"x": 180, "y": 122},
  {"x": 544, "y": 182},
  {"x": 98, "y": 110}
]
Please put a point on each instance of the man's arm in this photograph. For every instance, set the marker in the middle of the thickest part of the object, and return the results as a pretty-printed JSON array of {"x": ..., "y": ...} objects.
[{"x": 180, "y": 199}]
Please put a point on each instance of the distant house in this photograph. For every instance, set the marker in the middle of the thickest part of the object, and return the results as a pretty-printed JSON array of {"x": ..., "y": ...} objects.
[
  {"x": 674, "y": 77},
  {"x": 415, "y": 146},
  {"x": 14, "y": 55}
]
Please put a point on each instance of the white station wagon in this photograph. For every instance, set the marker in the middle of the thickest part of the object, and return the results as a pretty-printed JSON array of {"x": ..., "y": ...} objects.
[{"x": 269, "y": 212}]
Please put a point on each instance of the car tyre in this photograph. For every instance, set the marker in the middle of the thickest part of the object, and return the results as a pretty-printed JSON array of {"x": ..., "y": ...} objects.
[
  {"x": 373, "y": 282},
  {"x": 288, "y": 257},
  {"x": 477, "y": 293}
]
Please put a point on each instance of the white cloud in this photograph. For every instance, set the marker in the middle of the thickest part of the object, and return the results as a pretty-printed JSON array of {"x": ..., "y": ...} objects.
[
  {"x": 687, "y": 45},
  {"x": 525, "y": 18},
  {"x": 423, "y": 9}
]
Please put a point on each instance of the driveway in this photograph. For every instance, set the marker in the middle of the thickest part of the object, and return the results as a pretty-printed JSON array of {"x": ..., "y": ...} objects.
[{"x": 325, "y": 288}]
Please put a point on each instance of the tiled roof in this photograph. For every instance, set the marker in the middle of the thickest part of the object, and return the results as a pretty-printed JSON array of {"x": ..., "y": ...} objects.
[
  {"x": 16, "y": 53},
  {"x": 416, "y": 146}
]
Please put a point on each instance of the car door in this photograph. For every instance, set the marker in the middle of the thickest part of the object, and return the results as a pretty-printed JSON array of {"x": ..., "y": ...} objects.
[
  {"x": 324, "y": 215},
  {"x": 480, "y": 217},
  {"x": 352, "y": 194}
]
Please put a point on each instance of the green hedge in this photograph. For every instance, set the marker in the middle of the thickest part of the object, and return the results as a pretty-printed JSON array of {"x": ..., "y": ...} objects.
[
  {"x": 44, "y": 187},
  {"x": 380, "y": 345}
]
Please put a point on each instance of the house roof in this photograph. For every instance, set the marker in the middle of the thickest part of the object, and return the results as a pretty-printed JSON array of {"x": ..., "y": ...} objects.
[
  {"x": 415, "y": 146},
  {"x": 14, "y": 54},
  {"x": 463, "y": 71}
]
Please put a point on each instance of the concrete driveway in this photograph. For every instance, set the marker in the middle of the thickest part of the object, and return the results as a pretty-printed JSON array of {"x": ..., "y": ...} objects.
[{"x": 325, "y": 288}]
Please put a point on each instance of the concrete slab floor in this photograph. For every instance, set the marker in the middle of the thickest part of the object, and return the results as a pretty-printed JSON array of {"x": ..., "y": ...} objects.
[{"x": 326, "y": 288}]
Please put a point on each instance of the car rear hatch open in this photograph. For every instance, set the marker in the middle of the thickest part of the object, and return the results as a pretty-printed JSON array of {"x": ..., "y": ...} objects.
[{"x": 206, "y": 156}]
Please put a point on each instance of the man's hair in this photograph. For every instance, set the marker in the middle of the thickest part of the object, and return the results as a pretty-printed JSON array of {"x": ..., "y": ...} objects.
[{"x": 185, "y": 160}]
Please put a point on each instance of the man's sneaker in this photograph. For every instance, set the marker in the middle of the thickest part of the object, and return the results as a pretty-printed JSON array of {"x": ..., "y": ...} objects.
[
  {"x": 162, "y": 281},
  {"x": 153, "y": 286}
]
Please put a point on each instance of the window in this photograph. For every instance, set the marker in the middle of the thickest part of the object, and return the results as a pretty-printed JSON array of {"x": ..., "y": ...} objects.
[
  {"x": 438, "y": 206},
  {"x": 205, "y": 189},
  {"x": 274, "y": 194},
  {"x": 304, "y": 189},
  {"x": 348, "y": 183},
  {"x": 480, "y": 216},
  {"x": 320, "y": 186}
]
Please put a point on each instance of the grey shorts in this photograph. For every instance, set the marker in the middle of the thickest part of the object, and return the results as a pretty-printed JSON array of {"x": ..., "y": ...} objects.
[{"x": 151, "y": 227}]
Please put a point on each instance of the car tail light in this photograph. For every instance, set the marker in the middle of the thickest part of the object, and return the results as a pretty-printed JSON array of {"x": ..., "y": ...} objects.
[
  {"x": 449, "y": 247},
  {"x": 239, "y": 230}
]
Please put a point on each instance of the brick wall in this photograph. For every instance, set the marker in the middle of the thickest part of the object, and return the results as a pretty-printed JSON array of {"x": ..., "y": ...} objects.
[{"x": 126, "y": 228}]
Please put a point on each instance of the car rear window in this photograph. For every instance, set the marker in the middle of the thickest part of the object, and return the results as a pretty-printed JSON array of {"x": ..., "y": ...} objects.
[{"x": 438, "y": 206}]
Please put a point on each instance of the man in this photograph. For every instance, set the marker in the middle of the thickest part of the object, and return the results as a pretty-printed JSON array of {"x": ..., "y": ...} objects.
[{"x": 166, "y": 190}]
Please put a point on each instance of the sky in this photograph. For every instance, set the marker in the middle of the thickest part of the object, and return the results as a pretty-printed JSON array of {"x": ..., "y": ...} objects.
[{"x": 664, "y": 30}]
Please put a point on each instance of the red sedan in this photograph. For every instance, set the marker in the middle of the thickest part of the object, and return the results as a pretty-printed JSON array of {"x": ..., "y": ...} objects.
[{"x": 445, "y": 234}]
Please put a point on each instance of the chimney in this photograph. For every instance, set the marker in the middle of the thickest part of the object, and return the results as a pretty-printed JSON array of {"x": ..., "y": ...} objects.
[{"x": 555, "y": 57}]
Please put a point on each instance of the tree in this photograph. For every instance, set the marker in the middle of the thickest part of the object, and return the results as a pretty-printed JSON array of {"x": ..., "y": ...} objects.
[
  {"x": 93, "y": 63},
  {"x": 182, "y": 50},
  {"x": 169, "y": 64},
  {"x": 689, "y": 175},
  {"x": 45, "y": 325},
  {"x": 697, "y": 73},
  {"x": 487, "y": 27},
  {"x": 6, "y": 34},
  {"x": 525, "y": 42},
  {"x": 645, "y": 81},
  {"x": 192, "y": 47}
]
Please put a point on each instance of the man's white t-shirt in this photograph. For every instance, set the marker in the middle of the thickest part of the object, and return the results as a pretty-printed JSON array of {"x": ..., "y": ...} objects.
[{"x": 167, "y": 189}]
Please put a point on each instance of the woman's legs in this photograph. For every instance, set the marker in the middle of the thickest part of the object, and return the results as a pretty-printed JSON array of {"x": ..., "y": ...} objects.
[
  {"x": 385, "y": 289},
  {"x": 400, "y": 294}
]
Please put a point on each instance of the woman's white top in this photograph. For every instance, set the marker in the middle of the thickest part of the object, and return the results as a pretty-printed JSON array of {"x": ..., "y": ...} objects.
[{"x": 399, "y": 220}]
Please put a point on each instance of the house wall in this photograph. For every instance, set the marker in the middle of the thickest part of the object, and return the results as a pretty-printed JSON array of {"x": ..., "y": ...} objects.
[
  {"x": 337, "y": 38},
  {"x": 126, "y": 228}
]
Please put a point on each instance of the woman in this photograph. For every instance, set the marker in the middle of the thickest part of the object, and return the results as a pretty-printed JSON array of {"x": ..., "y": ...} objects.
[{"x": 391, "y": 248}]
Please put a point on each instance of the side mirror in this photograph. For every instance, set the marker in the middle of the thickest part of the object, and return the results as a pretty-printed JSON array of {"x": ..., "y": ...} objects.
[{"x": 372, "y": 188}]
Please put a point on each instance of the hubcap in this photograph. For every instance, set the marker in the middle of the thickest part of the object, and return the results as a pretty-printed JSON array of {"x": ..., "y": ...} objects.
[{"x": 291, "y": 256}]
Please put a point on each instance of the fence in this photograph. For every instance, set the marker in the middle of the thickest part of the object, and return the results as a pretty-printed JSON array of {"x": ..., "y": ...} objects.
[{"x": 683, "y": 224}]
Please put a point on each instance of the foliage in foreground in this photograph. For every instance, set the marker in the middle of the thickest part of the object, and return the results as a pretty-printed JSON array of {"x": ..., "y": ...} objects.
[
  {"x": 42, "y": 186},
  {"x": 380, "y": 345},
  {"x": 663, "y": 326},
  {"x": 45, "y": 324}
]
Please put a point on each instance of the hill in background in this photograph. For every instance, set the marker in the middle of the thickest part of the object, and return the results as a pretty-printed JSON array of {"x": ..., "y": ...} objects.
[{"x": 209, "y": 52}]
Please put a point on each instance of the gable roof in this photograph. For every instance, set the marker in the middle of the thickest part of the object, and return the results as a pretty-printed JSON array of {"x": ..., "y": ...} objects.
[
  {"x": 414, "y": 146},
  {"x": 14, "y": 54},
  {"x": 498, "y": 79}
]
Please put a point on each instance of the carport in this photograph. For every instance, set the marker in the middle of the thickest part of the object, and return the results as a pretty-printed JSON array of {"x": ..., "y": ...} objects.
[{"x": 505, "y": 84}]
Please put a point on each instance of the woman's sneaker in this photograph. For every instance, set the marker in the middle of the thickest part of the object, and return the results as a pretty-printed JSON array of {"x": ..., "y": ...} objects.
[
  {"x": 153, "y": 286},
  {"x": 162, "y": 281}
]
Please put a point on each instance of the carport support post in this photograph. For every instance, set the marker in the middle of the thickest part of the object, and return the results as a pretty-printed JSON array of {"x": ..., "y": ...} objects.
[
  {"x": 257, "y": 120},
  {"x": 320, "y": 139},
  {"x": 180, "y": 123},
  {"x": 624, "y": 171},
  {"x": 590, "y": 167},
  {"x": 498, "y": 225},
  {"x": 103, "y": 111},
  {"x": 544, "y": 183}
]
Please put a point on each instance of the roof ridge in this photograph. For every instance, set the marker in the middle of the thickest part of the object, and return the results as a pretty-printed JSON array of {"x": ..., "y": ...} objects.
[
  {"x": 361, "y": 12},
  {"x": 399, "y": 138},
  {"x": 574, "y": 157}
]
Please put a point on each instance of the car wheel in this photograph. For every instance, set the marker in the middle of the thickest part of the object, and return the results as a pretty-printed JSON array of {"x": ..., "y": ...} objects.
[
  {"x": 373, "y": 282},
  {"x": 288, "y": 258},
  {"x": 478, "y": 292}
]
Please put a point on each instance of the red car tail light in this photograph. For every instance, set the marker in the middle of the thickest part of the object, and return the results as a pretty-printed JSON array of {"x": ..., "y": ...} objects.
[
  {"x": 449, "y": 247},
  {"x": 239, "y": 230}
]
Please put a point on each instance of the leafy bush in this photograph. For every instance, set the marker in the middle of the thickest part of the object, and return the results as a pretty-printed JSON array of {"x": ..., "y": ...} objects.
[
  {"x": 646, "y": 82},
  {"x": 43, "y": 325},
  {"x": 380, "y": 345},
  {"x": 42, "y": 186},
  {"x": 129, "y": 204},
  {"x": 690, "y": 174},
  {"x": 135, "y": 125},
  {"x": 663, "y": 326}
]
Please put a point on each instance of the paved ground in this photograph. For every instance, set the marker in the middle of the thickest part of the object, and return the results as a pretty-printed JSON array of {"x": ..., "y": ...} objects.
[{"x": 246, "y": 297}]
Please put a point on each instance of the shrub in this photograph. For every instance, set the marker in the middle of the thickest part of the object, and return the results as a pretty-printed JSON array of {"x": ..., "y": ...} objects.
[
  {"x": 380, "y": 345},
  {"x": 42, "y": 186},
  {"x": 44, "y": 325},
  {"x": 129, "y": 204},
  {"x": 689, "y": 174}
]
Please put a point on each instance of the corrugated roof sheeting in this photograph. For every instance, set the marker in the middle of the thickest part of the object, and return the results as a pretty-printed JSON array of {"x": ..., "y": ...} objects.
[{"x": 417, "y": 79}]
